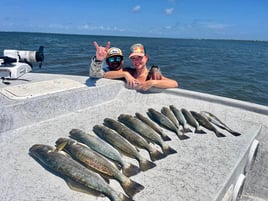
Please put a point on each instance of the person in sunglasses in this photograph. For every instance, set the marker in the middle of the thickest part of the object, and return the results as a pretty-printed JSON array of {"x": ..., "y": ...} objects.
[{"x": 112, "y": 56}]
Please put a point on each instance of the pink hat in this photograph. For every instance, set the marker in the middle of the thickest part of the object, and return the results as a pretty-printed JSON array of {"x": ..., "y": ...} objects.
[{"x": 137, "y": 50}]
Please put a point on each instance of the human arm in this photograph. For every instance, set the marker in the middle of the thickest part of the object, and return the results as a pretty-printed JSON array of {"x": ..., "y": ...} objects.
[
  {"x": 96, "y": 68},
  {"x": 163, "y": 83},
  {"x": 131, "y": 82},
  {"x": 96, "y": 65}
]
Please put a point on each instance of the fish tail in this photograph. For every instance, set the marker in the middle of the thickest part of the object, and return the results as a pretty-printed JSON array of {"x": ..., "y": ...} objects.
[
  {"x": 219, "y": 134},
  {"x": 165, "y": 138},
  {"x": 234, "y": 133},
  {"x": 122, "y": 197},
  {"x": 186, "y": 130},
  {"x": 199, "y": 131},
  {"x": 181, "y": 135},
  {"x": 168, "y": 150},
  {"x": 131, "y": 187},
  {"x": 156, "y": 155},
  {"x": 130, "y": 170},
  {"x": 146, "y": 164}
]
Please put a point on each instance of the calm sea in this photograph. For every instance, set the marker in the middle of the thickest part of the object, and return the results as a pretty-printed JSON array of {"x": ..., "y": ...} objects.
[{"x": 230, "y": 68}]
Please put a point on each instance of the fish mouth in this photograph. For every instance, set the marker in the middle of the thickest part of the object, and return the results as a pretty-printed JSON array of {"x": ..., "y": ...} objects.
[{"x": 39, "y": 149}]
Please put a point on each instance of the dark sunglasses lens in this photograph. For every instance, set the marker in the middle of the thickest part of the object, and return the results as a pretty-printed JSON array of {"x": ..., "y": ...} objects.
[
  {"x": 111, "y": 59},
  {"x": 118, "y": 59},
  {"x": 115, "y": 59}
]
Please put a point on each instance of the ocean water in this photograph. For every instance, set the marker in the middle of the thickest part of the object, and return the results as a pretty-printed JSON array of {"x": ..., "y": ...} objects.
[{"x": 229, "y": 68}]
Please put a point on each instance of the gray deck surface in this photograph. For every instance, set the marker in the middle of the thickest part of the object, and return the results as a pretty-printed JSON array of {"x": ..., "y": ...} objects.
[{"x": 202, "y": 170}]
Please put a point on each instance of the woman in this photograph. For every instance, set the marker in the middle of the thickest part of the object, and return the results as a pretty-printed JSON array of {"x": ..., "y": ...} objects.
[{"x": 141, "y": 78}]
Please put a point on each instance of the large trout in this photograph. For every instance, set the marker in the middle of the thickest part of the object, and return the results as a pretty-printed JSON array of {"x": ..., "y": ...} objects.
[
  {"x": 76, "y": 175},
  {"x": 99, "y": 164}
]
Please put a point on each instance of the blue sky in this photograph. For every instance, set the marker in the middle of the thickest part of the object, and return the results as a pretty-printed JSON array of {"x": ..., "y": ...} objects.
[{"x": 212, "y": 19}]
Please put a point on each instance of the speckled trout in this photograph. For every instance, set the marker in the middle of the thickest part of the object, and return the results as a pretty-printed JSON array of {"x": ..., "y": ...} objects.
[
  {"x": 164, "y": 121},
  {"x": 133, "y": 138},
  {"x": 216, "y": 121},
  {"x": 122, "y": 145},
  {"x": 169, "y": 114},
  {"x": 76, "y": 175},
  {"x": 192, "y": 121},
  {"x": 150, "y": 123},
  {"x": 104, "y": 149},
  {"x": 204, "y": 122},
  {"x": 178, "y": 114},
  {"x": 146, "y": 131},
  {"x": 99, "y": 164}
]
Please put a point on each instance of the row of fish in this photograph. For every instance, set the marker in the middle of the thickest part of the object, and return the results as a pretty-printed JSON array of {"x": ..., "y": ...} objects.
[
  {"x": 181, "y": 120},
  {"x": 88, "y": 161}
]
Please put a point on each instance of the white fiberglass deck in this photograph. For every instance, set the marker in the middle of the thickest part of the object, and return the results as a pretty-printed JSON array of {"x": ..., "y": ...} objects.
[{"x": 203, "y": 169}]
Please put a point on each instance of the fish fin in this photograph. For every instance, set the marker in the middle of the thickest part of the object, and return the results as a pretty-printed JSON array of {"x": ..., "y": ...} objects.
[
  {"x": 219, "y": 134},
  {"x": 181, "y": 135},
  {"x": 61, "y": 146},
  {"x": 234, "y": 133},
  {"x": 122, "y": 197},
  {"x": 131, "y": 170},
  {"x": 156, "y": 155},
  {"x": 199, "y": 131},
  {"x": 131, "y": 187},
  {"x": 165, "y": 138},
  {"x": 83, "y": 189},
  {"x": 169, "y": 150},
  {"x": 146, "y": 165},
  {"x": 186, "y": 130}
]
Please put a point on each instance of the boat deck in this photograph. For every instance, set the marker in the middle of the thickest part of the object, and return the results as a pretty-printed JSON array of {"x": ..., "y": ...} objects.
[{"x": 42, "y": 108}]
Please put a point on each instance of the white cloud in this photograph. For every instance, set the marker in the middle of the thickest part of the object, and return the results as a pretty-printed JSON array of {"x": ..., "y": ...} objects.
[
  {"x": 136, "y": 8},
  {"x": 169, "y": 11}
]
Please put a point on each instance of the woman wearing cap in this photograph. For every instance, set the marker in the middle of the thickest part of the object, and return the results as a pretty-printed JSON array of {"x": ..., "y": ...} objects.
[
  {"x": 142, "y": 78},
  {"x": 113, "y": 57}
]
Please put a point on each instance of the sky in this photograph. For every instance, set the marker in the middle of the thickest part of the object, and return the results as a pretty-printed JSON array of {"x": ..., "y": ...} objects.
[{"x": 195, "y": 19}]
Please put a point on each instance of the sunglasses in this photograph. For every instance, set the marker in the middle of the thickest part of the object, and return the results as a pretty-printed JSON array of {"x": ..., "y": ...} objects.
[{"x": 114, "y": 59}]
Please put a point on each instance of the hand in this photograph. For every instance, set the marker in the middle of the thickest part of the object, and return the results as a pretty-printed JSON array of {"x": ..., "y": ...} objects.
[
  {"x": 101, "y": 52},
  {"x": 144, "y": 86},
  {"x": 131, "y": 82},
  {"x": 154, "y": 74}
]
